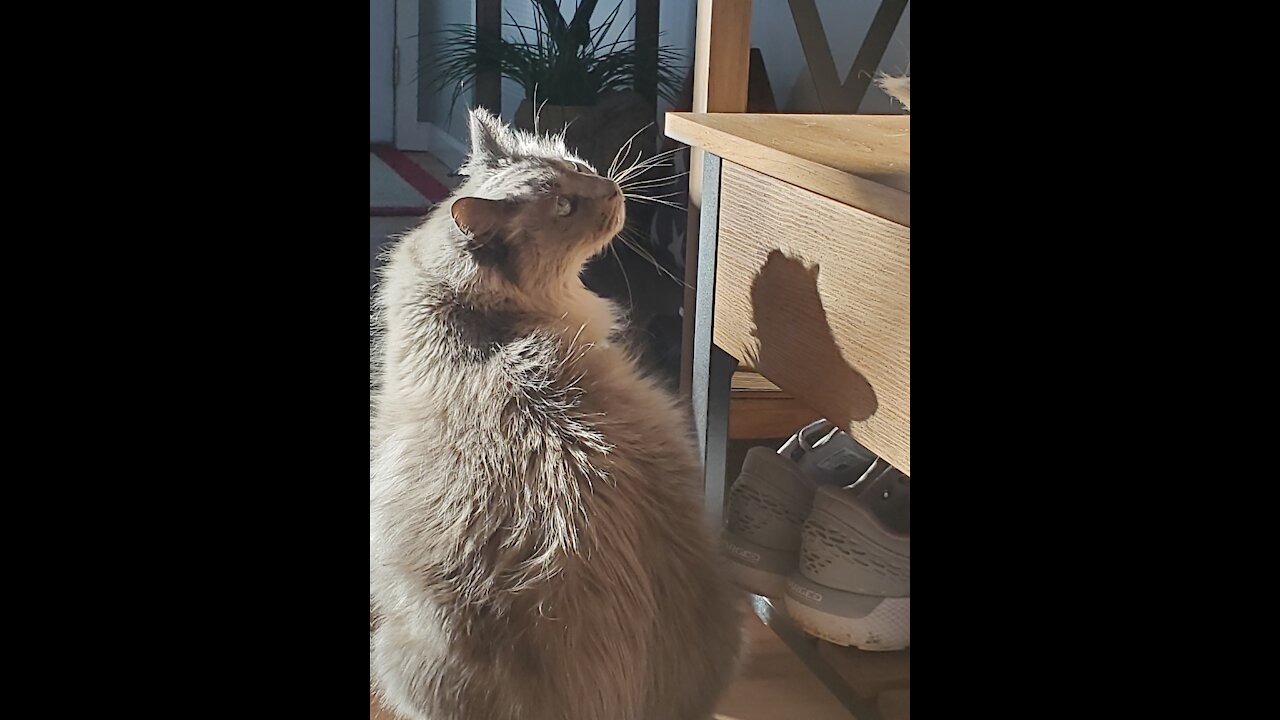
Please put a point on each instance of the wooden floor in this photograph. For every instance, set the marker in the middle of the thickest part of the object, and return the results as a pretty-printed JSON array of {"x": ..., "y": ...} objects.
[{"x": 774, "y": 685}]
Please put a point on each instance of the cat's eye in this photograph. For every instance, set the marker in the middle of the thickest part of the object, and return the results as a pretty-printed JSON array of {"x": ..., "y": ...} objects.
[{"x": 564, "y": 206}]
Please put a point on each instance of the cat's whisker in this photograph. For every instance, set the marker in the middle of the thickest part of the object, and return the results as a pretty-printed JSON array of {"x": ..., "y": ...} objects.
[
  {"x": 629, "y": 193},
  {"x": 639, "y": 156},
  {"x": 666, "y": 153},
  {"x": 635, "y": 246},
  {"x": 640, "y": 166},
  {"x": 631, "y": 302},
  {"x": 644, "y": 198},
  {"x": 662, "y": 270},
  {"x": 646, "y": 186},
  {"x": 537, "y": 109},
  {"x": 613, "y": 166},
  {"x": 623, "y": 153},
  {"x": 664, "y": 185},
  {"x": 643, "y": 164},
  {"x": 639, "y": 159},
  {"x": 640, "y": 171},
  {"x": 627, "y": 147},
  {"x": 623, "y": 174},
  {"x": 653, "y": 183}
]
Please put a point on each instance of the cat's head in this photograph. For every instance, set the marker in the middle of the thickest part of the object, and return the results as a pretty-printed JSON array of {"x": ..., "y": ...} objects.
[{"x": 532, "y": 212}]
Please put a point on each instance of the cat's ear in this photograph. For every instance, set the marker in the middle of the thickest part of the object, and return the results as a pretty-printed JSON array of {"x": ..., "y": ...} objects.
[
  {"x": 491, "y": 139},
  {"x": 485, "y": 224}
]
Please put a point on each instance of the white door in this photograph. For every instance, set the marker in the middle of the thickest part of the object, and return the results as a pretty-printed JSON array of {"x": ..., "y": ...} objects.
[{"x": 411, "y": 133}]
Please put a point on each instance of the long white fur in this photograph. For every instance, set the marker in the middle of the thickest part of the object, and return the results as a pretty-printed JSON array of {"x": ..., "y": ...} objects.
[{"x": 537, "y": 547}]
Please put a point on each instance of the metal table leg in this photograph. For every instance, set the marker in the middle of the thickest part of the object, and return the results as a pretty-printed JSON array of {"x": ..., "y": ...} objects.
[
  {"x": 712, "y": 367},
  {"x": 806, "y": 649},
  {"x": 711, "y": 383}
]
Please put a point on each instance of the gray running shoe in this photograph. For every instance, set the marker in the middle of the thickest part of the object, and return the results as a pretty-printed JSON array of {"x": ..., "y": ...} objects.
[
  {"x": 773, "y": 495},
  {"x": 853, "y": 583}
]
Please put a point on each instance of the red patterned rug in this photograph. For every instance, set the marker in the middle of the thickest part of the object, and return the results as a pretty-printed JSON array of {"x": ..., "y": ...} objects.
[{"x": 399, "y": 186}]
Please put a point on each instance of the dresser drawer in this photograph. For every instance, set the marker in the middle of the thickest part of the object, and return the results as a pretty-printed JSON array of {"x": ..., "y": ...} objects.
[{"x": 815, "y": 295}]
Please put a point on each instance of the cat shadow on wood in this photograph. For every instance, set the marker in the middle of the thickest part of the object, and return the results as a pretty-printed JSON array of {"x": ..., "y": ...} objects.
[{"x": 792, "y": 330}]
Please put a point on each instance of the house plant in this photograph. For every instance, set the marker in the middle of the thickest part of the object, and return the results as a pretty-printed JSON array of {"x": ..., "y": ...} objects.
[
  {"x": 581, "y": 79},
  {"x": 578, "y": 76}
]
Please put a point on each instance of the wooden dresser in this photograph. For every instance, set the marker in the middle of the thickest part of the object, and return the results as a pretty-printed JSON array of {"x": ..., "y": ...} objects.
[
  {"x": 803, "y": 274},
  {"x": 804, "y": 270}
]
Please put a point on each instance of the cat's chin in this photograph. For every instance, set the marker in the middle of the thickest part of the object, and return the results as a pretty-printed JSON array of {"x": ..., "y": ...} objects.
[
  {"x": 599, "y": 245},
  {"x": 610, "y": 234},
  {"x": 600, "y": 248},
  {"x": 619, "y": 221}
]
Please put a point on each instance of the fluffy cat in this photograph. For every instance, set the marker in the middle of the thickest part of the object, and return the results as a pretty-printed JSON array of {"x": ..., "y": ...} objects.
[{"x": 537, "y": 546}]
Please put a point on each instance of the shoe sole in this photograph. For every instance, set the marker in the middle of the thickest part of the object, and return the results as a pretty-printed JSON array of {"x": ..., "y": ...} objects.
[
  {"x": 878, "y": 624},
  {"x": 757, "y": 569}
]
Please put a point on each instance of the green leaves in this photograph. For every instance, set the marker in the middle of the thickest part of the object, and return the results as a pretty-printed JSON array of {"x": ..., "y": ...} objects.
[{"x": 564, "y": 63}]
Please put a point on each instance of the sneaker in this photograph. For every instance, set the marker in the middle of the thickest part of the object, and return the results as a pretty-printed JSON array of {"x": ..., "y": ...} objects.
[
  {"x": 773, "y": 495},
  {"x": 853, "y": 583}
]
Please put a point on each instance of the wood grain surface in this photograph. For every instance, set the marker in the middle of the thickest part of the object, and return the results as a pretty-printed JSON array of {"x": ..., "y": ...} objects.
[
  {"x": 815, "y": 296},
  {"x": 860, "y": 160}
]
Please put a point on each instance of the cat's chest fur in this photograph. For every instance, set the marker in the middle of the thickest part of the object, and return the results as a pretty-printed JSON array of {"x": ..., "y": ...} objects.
[{"x": 535, "y": 460}]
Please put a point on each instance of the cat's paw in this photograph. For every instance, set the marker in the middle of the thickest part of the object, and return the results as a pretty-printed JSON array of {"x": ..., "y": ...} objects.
[{"x": 898, "y": 88}]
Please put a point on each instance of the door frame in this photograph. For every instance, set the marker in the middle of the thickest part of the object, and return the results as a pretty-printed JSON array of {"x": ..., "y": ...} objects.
[{"x": 382, "y": 119}]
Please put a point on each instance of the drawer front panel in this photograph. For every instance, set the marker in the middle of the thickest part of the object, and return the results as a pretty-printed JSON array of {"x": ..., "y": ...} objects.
[{"x": 815, "y": 295}]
